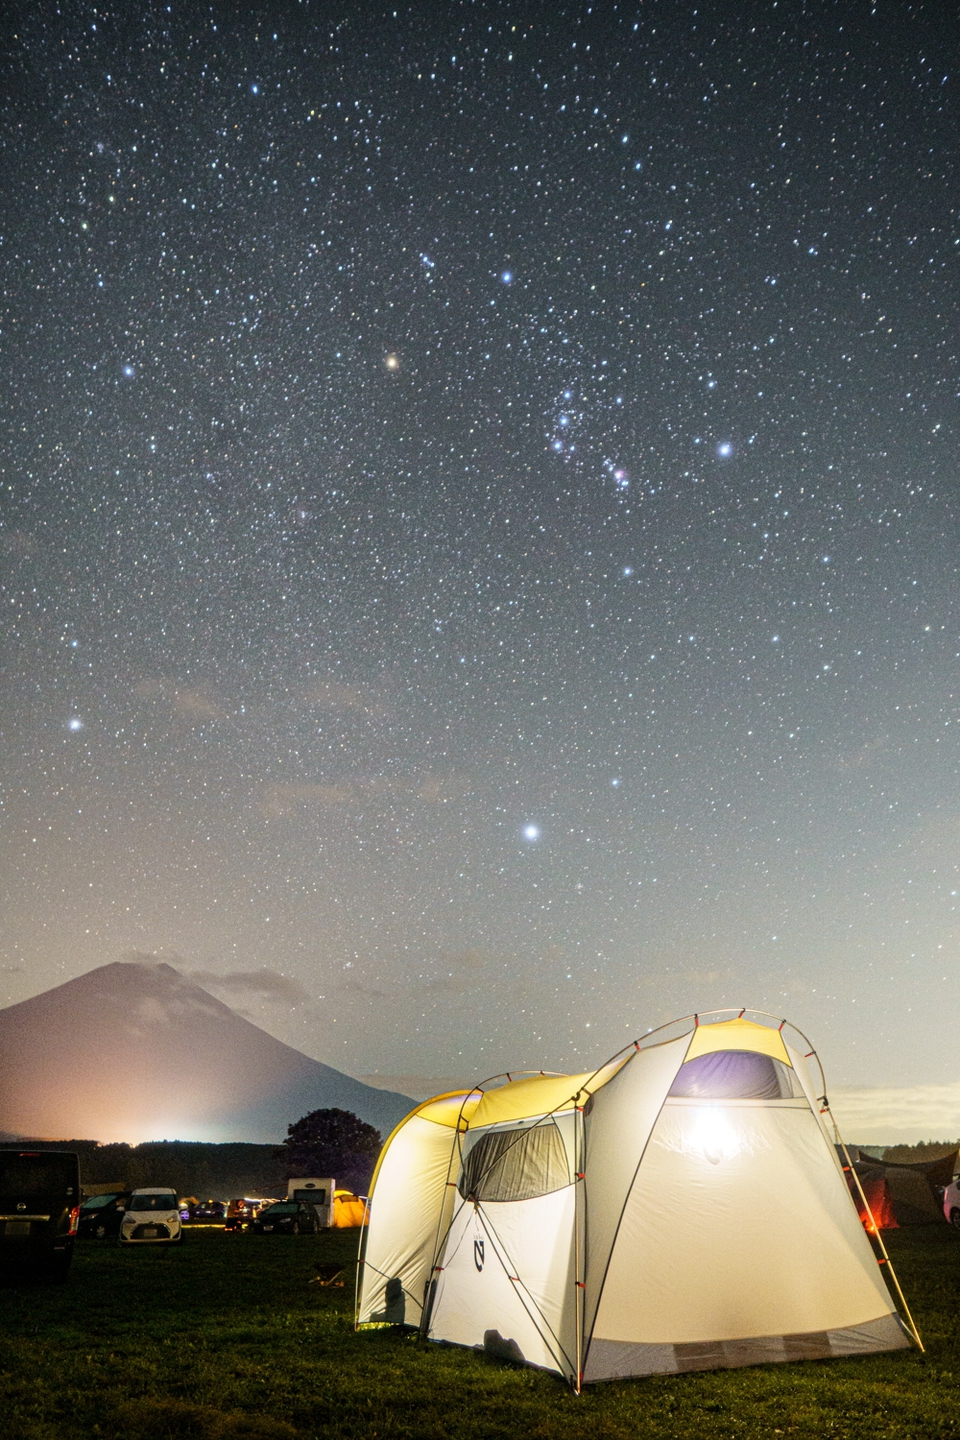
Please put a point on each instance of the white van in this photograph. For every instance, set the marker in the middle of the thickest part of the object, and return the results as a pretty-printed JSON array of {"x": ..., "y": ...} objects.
[
  {"x": 951, "y": 1201},
  {"x": 316, "y": 1191},
  {"x": 152, "y": 1218}
]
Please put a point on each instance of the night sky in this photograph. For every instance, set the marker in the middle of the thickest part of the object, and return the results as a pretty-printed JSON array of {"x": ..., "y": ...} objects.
[{"x": 480, "y": 520}]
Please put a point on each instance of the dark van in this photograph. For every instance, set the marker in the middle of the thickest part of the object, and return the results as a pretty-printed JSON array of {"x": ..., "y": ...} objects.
[{"x": 39, "y": 1210}]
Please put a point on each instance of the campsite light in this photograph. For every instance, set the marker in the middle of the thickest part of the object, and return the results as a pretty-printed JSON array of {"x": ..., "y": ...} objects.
[{"x": 715, "y": 1136}]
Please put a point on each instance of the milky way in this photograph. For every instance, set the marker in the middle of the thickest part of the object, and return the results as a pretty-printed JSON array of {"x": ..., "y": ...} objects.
[{"x": 479, "y": 520}]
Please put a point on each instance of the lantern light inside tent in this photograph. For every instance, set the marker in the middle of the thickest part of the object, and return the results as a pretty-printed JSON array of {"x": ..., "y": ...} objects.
[{"x": 715, "y": 1136}]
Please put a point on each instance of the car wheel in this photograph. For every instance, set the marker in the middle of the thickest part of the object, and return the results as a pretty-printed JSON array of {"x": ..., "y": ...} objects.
[
  {"x": 955, "y": 1218},
  {"x": 296, "y": 1227},
  {"x": 101, "y": 1232}
]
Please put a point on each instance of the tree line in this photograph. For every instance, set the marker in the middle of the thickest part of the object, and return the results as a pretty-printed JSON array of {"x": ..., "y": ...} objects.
[{"x": 327, "y": 1142}]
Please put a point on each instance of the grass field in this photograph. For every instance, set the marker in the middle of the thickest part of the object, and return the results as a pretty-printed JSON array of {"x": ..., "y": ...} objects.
[{"x": 224, "y": 1337}]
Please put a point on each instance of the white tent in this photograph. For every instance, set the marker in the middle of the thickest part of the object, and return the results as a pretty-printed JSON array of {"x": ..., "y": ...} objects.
[{"x": 682, "y": 1208}]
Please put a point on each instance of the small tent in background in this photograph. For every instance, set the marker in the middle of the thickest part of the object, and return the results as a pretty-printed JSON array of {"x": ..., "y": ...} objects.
[
  {"x": 682, "y": 1208},
  {"x": 902, "y": 1194},
  {"x": 349, "y": 1210}
]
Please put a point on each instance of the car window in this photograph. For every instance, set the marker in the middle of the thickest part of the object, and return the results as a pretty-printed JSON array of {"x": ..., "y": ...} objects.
[
  {"x": 285, "y": 1207},
  {"x": 37, "y": 1174},
  {"x": 97, "y": 1202},
  {"x": 162, "y": 1200}
]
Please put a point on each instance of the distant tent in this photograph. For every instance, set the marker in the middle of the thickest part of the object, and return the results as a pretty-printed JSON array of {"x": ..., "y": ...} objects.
[
  {"x": 682, "y": 1208},
  {"x": 349, "y": 1210},
  {"x": 898, "y": 1194}
]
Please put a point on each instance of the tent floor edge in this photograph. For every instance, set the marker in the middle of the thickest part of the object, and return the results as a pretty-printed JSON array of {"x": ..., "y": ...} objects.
[{"x": 626, "y": 1359}]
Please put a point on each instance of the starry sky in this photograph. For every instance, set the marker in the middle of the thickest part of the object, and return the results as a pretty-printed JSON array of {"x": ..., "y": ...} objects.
[{"x": 479, "y": 520}]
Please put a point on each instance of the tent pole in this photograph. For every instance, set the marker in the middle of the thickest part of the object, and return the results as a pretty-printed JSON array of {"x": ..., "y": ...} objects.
[
  {"x": 441, "y": 1234},
  {"x": 876, "y": 1229},
  {"x": 579, "y": 1290},
  {"x": 362, "y": 1246}
]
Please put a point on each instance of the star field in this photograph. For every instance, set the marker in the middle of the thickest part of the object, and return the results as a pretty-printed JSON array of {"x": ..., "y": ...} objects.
[{"x": 479, "y": 520}]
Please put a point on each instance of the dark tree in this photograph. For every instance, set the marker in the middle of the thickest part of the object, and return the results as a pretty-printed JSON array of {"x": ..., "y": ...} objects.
[{"x": 332, "y": 1142}]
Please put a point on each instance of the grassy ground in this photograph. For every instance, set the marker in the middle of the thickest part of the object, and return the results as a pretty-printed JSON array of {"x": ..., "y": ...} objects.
[{"x": 225, "y": 1338}]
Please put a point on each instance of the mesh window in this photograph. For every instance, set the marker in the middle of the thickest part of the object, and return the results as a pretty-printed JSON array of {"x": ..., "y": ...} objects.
[
  {"x": 515, "y": 1165},
  {"x": 734, "y": 1075}
]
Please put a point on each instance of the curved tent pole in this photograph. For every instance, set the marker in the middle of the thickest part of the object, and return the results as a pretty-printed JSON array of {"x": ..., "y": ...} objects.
[
  {"x": 360, "y": 1249},
  {"x": 540, "y": 1322},
  {"x": 456, "y": 1148},
  {"x": 875, "y": 1232},
  {"x": 364, "y": 1233},
  {"x": 579, "y": 1221},
  {"x": 694, "y": 1021},
  {"x": 851, "y": 1170}
]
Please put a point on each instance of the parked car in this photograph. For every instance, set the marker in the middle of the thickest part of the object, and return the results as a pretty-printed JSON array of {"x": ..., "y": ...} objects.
[
  {"x": 206, "y": 1212},
  {"x": 240, "y": 1212},
  {"x": 287, "y": 1217},
  {"x": 39, "y": 1210},
  {"x": 152, "y": 1218},
  {"x": 101, "y": 1215},
  {"x": 951, "y": 1201}
]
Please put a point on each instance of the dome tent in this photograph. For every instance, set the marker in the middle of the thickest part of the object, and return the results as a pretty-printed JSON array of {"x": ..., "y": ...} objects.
[{"x": 681, "y": 1208}]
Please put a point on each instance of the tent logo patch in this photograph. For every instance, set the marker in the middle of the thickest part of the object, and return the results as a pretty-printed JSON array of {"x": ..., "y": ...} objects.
[{"x": 478, "y": 1254}]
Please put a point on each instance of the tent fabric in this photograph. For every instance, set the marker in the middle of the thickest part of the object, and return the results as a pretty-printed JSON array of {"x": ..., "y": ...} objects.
[
  {"x": 692, "y": 1228},
  {"x": 738, "y": 1034},
  {"x": 414, "y": 1203},
  {"x": 879, "y": 1212},
  {"x": 349, "y": 1210},
  {"x": 522, "y": 1099},
  {"x": 682, "y": 1208},
  {"x": 733, "y": 1074}
]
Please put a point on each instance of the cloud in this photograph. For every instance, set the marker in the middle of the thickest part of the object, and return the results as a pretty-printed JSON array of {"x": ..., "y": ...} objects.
[
  {"x": 285, "y": 799},
  {"x": 188, "y": 704},
  {"x": 260, "y": 984},
  {"x": 334, "y": 696},
  {"x": 19, "y": 542},
  {"x": 418, "y": 1087},
  {"x": 898, "y": 1114},
  {"x": 291, "y": 797}
]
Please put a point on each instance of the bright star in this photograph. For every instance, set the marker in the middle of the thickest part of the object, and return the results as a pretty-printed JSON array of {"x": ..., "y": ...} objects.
[
  {"x": 129, "y": 371},
  {"x": 392, "y": 362},
  {"x": 507, "y": 277},
  {"x": 725, "y": 449},
  {"x": 531, "y": 832},
  {"x": 75, "y": 723}
]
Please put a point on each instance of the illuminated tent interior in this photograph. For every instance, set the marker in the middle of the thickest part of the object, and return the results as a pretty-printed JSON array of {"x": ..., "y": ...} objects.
[{"x": 681, "y": 1208}]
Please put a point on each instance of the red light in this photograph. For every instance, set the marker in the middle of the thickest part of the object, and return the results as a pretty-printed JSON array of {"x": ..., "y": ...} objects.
[{"x": 74, "y": 1219}]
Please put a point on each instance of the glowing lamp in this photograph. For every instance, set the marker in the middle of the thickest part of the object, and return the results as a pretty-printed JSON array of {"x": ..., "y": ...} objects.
[{"x": 714, "y": 1136}]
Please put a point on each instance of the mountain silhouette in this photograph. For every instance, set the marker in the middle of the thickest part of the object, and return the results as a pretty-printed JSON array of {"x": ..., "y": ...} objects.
[{"x": 134, "y": 1051}]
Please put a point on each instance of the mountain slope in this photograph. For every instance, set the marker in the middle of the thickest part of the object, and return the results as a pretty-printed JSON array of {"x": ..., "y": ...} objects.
[{"x": 135, "y": 1052}]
